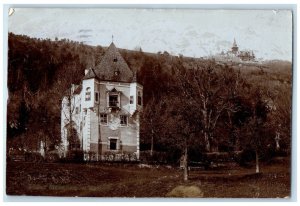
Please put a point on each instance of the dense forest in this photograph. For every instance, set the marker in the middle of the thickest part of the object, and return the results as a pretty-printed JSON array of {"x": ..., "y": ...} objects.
[{"x": 191, "y": 105}]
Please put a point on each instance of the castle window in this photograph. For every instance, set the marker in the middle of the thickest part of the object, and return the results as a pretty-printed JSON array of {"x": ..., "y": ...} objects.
[
  {"x": 88, "y": 94},
  {"x": 123, "y": 120},
  {"x": 115, "y": 59},
  {"x": 77, "y": 110},
  {"x": 131, "y": 99},
  {"x": 113, "y": 144},
  {"x": 103, "y": 119},
  {"x": 139, "y": 98},
  {"x": 96, "y": 96},
  {"x": 113, "y": 100}
]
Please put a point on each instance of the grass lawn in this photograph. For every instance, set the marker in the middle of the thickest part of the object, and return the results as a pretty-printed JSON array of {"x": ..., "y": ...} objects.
[{"x": 124, "y": 180}]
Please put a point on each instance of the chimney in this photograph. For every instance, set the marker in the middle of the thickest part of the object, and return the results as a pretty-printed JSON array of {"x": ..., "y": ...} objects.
[{"x": 86, "y": 71}]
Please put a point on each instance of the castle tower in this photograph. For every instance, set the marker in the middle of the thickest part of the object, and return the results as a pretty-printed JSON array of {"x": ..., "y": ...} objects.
[
  {"x": 107, "y": 106},
  {"x": 234, "y": 47}
]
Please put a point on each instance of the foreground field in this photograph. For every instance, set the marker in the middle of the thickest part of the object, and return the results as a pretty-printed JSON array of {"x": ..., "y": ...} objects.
[{"x": 96, "y": 180}]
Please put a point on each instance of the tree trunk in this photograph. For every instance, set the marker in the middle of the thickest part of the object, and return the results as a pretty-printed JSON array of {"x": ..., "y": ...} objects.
[
  {"x": 70, "y": 120},
  {"x": 257, "y": 161},
  {"x": 152, "y": 142},
  {"x": 185, "y": 164},
  {"x": 207, "y": 143},
  {"x": 71, "y": 140}
]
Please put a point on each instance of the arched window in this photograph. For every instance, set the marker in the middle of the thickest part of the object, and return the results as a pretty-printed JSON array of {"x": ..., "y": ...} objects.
[{"x": 88, "y": 94}]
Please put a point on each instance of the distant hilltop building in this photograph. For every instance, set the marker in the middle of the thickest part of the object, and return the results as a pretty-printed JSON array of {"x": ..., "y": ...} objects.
[
  {"x": 236, "y": 55},
  {"x": 100, "y": 116}
]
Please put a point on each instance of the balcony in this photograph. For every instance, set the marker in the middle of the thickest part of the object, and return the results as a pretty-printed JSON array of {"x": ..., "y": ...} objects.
[
  {"x": 113, "y": 104},
  {"x": 113, "y": 99}
]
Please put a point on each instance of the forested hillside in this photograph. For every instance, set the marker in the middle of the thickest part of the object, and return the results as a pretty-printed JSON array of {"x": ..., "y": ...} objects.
[
  {"x": 188, "y": 103},
  {"x": 38, "y": 74}
]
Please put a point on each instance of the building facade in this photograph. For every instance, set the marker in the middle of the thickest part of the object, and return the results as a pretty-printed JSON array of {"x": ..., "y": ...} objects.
[{"x": 101, "y": 115}]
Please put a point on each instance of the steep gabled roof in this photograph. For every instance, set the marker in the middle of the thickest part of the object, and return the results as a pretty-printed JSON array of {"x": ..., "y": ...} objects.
[
  {"x": 91, "y": 74},
  {"x": 114, "y": 90},
  {"x": 111, "y": 64}
]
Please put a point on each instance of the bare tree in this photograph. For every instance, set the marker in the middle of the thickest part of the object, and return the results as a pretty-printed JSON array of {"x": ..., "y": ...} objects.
[
  {"x": 195, "y": 103},
  {"x": 208, "y": 90},
  {"x": 281, "y": 115},
  {"x": 180, "y": 126},
  {"x": 151, "y": 121},
  {"x": 65, "y": 92},
  {"x": 256, "y": 129}
]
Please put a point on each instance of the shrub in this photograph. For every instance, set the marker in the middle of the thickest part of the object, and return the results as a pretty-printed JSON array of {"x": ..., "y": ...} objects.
[
  {"x": 156, "y": 158},
  {"x": 75, "y": 156},
  {"x": 52, "y": 157},
  {"x": 33, "y": 157}
]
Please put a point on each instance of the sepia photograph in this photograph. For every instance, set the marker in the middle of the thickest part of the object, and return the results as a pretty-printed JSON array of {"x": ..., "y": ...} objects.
[{"x": 149, "y": 102}]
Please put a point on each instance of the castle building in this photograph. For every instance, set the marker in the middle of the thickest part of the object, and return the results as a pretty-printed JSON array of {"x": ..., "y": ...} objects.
[
  {"x": 235, "y": 55},
  {"x": 101, "y": 115}
]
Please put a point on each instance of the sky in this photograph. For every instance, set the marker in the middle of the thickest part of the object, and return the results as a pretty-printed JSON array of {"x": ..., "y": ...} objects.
[{"x": 190, "y": 32}]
